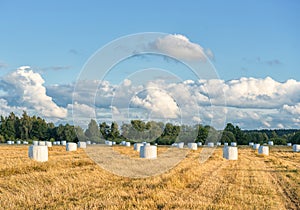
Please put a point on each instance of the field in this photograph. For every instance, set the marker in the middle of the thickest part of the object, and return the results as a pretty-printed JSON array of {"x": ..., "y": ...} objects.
[{"x": 71, "y": 180}]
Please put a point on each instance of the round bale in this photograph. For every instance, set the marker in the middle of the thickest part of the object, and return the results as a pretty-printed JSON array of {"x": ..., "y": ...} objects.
[
  {"x": 230, "y": 153},
  {"x": 38, "y": 153},
  {"x": 71, "y": 146},
  {"x": 148, "y": 152},
  {"x": 263, "y": 150},
  {"x": 192, "y": 146}
]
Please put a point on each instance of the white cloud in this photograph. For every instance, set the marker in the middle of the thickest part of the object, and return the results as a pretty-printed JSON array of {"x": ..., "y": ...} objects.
[
  {"x": 181, "y": 47},
  {"x": 28, "y": 87},
  {"x": 295, "y": 109}
]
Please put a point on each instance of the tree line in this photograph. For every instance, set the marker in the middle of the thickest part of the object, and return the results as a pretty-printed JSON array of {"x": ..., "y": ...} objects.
[{"x": 30, "y": 128}]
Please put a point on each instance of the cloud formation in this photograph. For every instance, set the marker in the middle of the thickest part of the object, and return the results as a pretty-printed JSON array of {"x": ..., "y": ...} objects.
[
  {"x": 180, "y": 47},
  {"x": 26, "y": 88}
]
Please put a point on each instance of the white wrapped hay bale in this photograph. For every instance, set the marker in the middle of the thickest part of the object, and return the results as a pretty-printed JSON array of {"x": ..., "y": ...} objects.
[
  {"x": 270, "y": 143},
  {"x": 192, "y": 146},
  {"x": 38, "y": 153},
  {"x": 137, "y": 146},
  {"x": 25, "y": 142},
  {"x": 81, "y": 144},
  {"x": 174, "y": 145},
  {"x": 263, "y": 150},
  {"x": 42, "y": 143},
  {"x": 149, "y": 152},
  {"x": 230, "y": 153},
  {"x": 225, "y": 144},
  {"x": 54, "y": 143},
  {"x": 256, "y": 146},
  {"x": 210, "y": 144},
  {"x": 48, "y": 143},
  {"x": 58, "y": 143},
  {"x": 64, "y": 143},
  {"x": 114, "y": 143},
  {"x": 18, "y": 142},
  {"x": 88, "y": 142},
  {"x": 251, "y": 144},
  {"x": 9, "y": 142},
  {"x": 296, "y": 147},
  {"x": 108, "y": 143},
  {"x": 123, "y": 143},
  {"x": 180, "y": 145},
  {"x": 35, "y": 143},
  {"x": 289, "y": 144},
  {"x": 219, "y": 144},
  {"x": 71, "y": 146},
  {"x": 233, "y": 144},
  {"x": 199, "y": 144},
  {"x": 127, "y": 144}
]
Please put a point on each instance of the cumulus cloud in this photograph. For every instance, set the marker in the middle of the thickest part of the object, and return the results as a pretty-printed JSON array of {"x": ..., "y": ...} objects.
[
  {"x": 180, "y": 47},
  {"x": 28, "y": 90},
  {"x": 294, "y": 109}
]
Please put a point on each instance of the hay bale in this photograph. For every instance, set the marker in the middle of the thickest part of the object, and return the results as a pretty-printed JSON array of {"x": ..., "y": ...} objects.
[
  {"x": 210, "y": 144},
  {"x": 9, "y": 142},
  {"x": 58, "y": 143},
  {"x": 256, "y": 146},
  {"x": 225, "y": 144},
  {"x": 263, "y": 150},
  {"x": 42, "y": 143},
  {"x": 137, "y": 146},
  {"x": 123, "y": 143},
  {"x": 81, "y": 144},
  {"x": 88, "y": 142},
  {"x": 18, "y": 142},
  {"x": 174, "y": 145},
  {"x": 127, "y": 144},
  {"x": 180, "y": 145},
  {"x": 54, "y": 143},
  {"x": 230, "y": 153},
  {"x": 114, "y": 143},
  {"x": 289, "y": 144},
  {"x": 296, "y": 147},
  {"x": 71, "y": 146},
  {"x": 35, "y": 143},
  {"x": 251, "y": 144},
  {"x": 199, "y": 144},
  {"x": 64, "y": 143},
  {"x": 148, "y": 152},
  {"x": 48, "y": 143},
  {"x": 192, "y": 146},
  {"x": 108, "y": 143},
  {"x": 25, "y": 142},
  {"x": 233, "y": 144},
  {"x": 270, "y": 143},
  {"x": 38, "y": 153}
]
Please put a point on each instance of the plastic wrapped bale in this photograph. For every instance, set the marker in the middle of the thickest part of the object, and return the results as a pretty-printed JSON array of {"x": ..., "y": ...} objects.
[
  {"x": 64, "y": 143},
  {"x": 25, "y": 142},
  {"x": 230, "y": 153},
  {"x": 88, "y": 142},
  {"x": 199, "y": 144},
  {"x": 58, "y": 143},
  {"x": 18, "y": 142},
  {"x": 35, "y": 143},
  {"x": 219, "y": 144},
  {"x": 123, "y": 143},
  {"x": 192, "y": 146},
  {"x": 149, "y": 152},
  {"x": 38, "y": 153},
  {"x": 225, "y": 144},
  {"x": 289, "y": 144},
  {"x": 296, "y": 147},
  {"x": 42, "y": 143},
  {"x": 108, "y": 143},
  {"x": 137, "y": 146},
  {"x": 263, "y": 150},
  {"x": 210, "y": 144},
  {"x": 251, "y": 144},
  {"x": 9, "y": 142},
  {"x": 233, "y": 144},
  {"x": 114, "y": 143},
  {"x": 256, "y": 146},
  {"x": 174, "y": 145},
  {"x": 54, "y": 143},
  {"x": 270, "y": 143},
  {"x": 81, "y": 144},
  {"x": 180, "y": 145},
  {"x": 71, "y": 146},
  {"x": 48, "y": 143},
  {"x": 127, "y": 144}
]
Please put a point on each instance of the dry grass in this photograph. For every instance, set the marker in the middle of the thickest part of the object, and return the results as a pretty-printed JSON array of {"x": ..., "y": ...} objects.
[{"x": 71, "y": 180}]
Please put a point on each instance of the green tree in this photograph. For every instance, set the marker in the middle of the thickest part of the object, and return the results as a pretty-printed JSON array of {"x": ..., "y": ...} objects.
[{"x": 93, "y": 132}]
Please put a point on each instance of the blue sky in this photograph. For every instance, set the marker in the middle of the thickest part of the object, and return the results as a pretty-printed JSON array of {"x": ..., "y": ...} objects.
[{"x": 56, "y": 38}]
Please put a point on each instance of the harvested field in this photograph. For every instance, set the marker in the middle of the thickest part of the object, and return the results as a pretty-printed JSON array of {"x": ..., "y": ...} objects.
[{"x": 71, "y": 180}]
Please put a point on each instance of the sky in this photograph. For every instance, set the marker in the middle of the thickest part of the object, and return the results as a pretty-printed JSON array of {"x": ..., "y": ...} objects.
[{"x": 251, "y": 48}]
